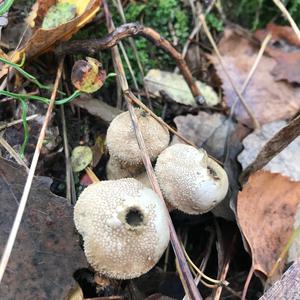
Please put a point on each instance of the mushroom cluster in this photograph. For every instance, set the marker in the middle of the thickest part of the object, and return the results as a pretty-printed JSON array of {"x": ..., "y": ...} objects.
[{"x": 122, "y": 220}]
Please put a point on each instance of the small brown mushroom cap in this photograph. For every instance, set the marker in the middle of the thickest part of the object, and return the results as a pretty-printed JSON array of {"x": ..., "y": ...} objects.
[
  {"x": 190, "y": 180},
  {"x": 124, "y": 227},
  {"x": 121, "y": 140}
]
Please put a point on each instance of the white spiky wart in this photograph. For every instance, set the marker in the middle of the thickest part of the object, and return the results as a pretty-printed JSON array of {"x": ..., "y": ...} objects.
[
  {"x": 121, "y": 140},
  {"x": 190, "y": 180},
  {"x": 124, "y": 227}
]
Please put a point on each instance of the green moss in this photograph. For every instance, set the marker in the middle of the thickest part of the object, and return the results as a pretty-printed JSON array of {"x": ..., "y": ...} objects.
[
  {"x": 255, "y": 14},
  {"x": 158, "y": 14}
]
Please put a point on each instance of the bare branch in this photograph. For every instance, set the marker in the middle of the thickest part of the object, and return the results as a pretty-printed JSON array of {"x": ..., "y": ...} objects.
[{"x": 132, "y": 30}]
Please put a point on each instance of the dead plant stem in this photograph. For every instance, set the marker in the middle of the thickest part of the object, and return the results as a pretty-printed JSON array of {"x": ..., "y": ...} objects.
[
  {"x": 132, "y": 97},
  {"x": 253, "y": 69},
  {"x": 247, "y": 283},
  {"x": 238, "y": 93},
  {"x": 196, "y": 30},
  {"x": 285, "y": 12},
  {"x": 15, "y": 122},
  {"x": 187, "y": 279},
  {"x": 13, "y": 153}
]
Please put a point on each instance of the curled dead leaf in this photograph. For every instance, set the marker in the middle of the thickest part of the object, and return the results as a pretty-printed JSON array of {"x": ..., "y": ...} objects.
[
  {"x": 88, "y": 76},
  {"x": 270, "y": 100},
  {"x": 285, "y": 48},
  {"x": 265, "y": 213},
  {"x": 43, "y": 40}
]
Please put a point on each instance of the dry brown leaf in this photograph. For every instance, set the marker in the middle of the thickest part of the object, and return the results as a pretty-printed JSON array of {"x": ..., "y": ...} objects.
[
  {"x": 38, "y": 12},
  {"x": 265, "y": 213},
  {"x": 286, "y": 162},
  {"x": 98, "y": 108},
  {"x": 3, "y": 67},
  {"x": 43, "y": 40},
  {"x": 268, "y": 99},
  {"x": 205, "y": 130},
  {"x": 46, "y": 252},
  {"x": 274, "y": 146},
  {"x": 285, "y": 48}
]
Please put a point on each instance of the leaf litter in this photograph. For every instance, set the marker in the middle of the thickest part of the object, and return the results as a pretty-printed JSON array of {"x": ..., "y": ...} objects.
[
  {"x": 265, "y": 217},
  {"x": 47, "y": 252},
  {"x": 287, "y": 162},
  {"x": 265, "y": 213},
  {"x": 270, "y": 100},
  {"x": 285, "y": 48}
]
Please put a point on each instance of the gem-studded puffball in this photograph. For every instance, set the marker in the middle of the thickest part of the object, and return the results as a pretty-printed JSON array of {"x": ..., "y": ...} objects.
[
  {"x": 190, "y": 180},
  {"x": 121, "y": 140},
  {"x": 124, "y": 227}
]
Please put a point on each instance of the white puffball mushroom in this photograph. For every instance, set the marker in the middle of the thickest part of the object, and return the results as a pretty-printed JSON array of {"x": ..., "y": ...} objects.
[
  {"x": 121, "y": 140},
  {"x": 124, "y": 227},
  {"x": 190, "y": 180},
  {"x": 116, "y": 170}
]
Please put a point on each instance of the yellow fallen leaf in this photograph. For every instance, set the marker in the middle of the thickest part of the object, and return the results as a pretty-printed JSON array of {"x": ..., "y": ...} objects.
[
  {"x": 80, "y": 5},
  {"x": 43, "y": 40}
]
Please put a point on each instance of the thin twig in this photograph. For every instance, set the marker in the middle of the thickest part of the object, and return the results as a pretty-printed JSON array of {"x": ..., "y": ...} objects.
[
  {"x": 92, "y": 175},
  {"x": 131, "y": 96},
  {"x": 13, "y": 153},
  {"x": 253, "y": 69},
  {"x": 241, "y": 98},
  {"x": 205, "y": 259},
  {"x": 288, "y": 16},
  {"x": 135, "y": 51},
  {"x": 195, "y": 30},
  {"x": 247, "y": 283},
  {"x": 295, "y": 234},
  {"x": 15, "y": 122},
  {"x": 212, "y": 280},
  {"x": 13, "y": 233},
  {"x": 129, "y": 66},
  {"x": 188, "y": 283},
  {"x": 132, "y": 30},
  {"x": 225, "y": 267},
  {"x": 69, "y": 175},
  {"x": 131, "y": 40}
]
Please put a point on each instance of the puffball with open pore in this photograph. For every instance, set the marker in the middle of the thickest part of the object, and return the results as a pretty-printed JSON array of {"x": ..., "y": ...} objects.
[
  {"x": 190, "y": 180},
  {"x": 121, "y": 140},
  {"x": 124, "y": 227}
]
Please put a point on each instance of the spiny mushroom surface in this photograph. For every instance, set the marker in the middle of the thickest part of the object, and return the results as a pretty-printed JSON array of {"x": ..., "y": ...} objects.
[
  {"x": 190, "y": 180},
  {"x": 124, "y": 227},
  {"x": 121, "y": 140}
]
